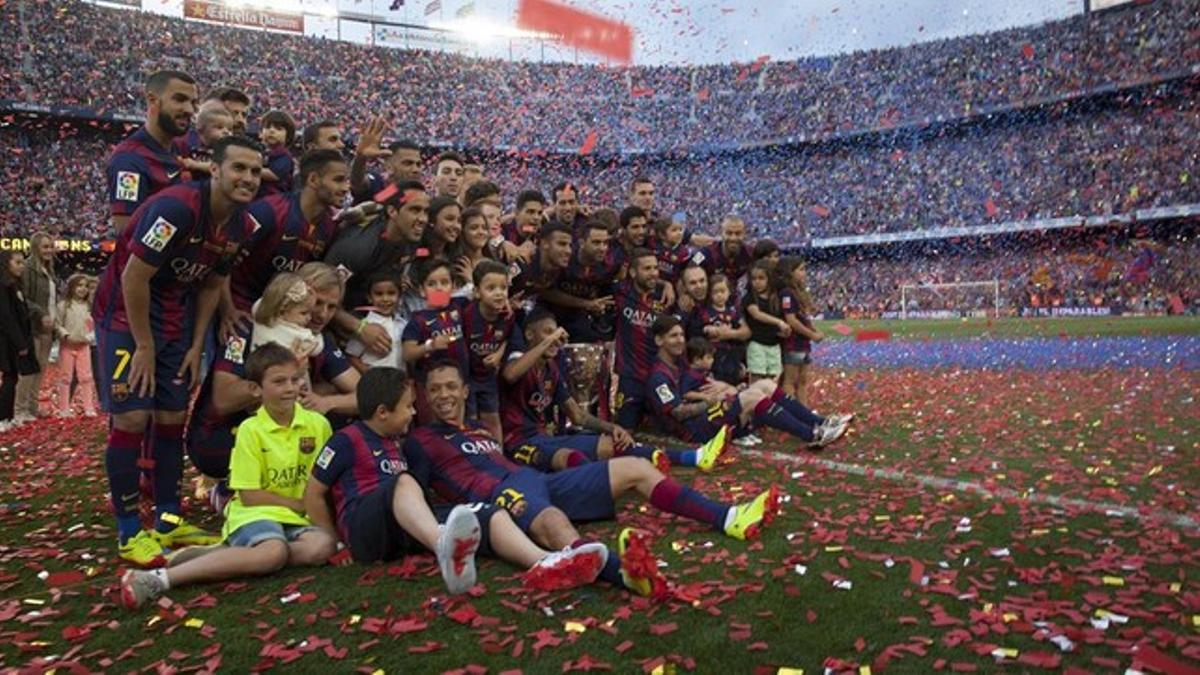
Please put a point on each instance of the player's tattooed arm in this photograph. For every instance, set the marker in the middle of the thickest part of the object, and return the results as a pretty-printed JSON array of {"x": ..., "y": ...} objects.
[
  {"x": 586, "y": 420},
  {"x": 689, "y": 410}
]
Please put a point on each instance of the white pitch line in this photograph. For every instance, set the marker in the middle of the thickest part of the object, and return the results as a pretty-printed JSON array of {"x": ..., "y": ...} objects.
[{"x": 1177, "y": 519}]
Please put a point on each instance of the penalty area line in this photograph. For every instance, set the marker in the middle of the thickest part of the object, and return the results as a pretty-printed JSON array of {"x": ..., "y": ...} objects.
[{"x": 1178, "y": 520}]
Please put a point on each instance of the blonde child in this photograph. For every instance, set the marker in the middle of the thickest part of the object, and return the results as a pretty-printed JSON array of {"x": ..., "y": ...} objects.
[
  {"x": 76, "y": 335},
  {"x": 282, "y": 316}
]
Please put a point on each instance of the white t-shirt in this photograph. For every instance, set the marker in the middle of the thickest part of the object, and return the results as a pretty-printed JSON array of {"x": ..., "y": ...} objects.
[{"x": 395, "y": 329}]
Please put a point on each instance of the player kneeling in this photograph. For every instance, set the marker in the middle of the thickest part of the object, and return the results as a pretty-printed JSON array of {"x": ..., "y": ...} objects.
[{"x": 266, "y": 527}]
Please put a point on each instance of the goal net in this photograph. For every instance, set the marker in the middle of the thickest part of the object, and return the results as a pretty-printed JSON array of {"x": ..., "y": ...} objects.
[{"x": 951, "y": 300}]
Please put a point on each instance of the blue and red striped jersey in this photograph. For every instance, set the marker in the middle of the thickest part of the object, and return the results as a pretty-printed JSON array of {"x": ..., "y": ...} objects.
[
  {"x": 280, "y": 162},
  {"x": 528, "y": 406},
  {"x": 671, "y": 259},
  {"x": 174, "y": 233},
  {"x": 284, "y": 242},
  {"x": 707, "y": 315},
  {"x": 353, "y": 464},
  {"x": 427, "y": 324},
  {"x": 138, "y": 168},
  {"x": 714, "y": 259},
  {"x": 790, "y": 304},
  {"x": 484, "y": 338},
  {"x": 636, "y": 311},
  {"x": 460, "y": 464}
]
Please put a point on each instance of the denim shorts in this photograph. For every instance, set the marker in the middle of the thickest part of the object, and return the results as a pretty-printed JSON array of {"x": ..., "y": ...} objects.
[{"x": 257, "y": 531}]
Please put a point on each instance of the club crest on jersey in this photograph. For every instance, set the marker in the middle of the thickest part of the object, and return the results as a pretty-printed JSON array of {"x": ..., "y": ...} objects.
[
  {"x": 120, "y": 392},
  {"x": 127, "y": 185},
  {"x": 664, "y": 393},
  {"x": 159, "y": 234},
  {"x": 235, "y": 349},
  {"x": 307, "y": 445}
]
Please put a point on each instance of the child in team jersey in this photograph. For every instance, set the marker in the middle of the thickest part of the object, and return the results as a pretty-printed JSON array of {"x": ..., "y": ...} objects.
[
  {"x": 436, "y": 332},
  {"x": 278, "y": 132},
  {"x": 797, "y": 306},
  {"x": 487, "y": 326},
  {"x": 722, "y": 324},
  {"x": 266, "y": 524},
  {"x": 667, "y": 245},
  {"x": 384, "y": 295},
  {"x": 282, "y": 315}
]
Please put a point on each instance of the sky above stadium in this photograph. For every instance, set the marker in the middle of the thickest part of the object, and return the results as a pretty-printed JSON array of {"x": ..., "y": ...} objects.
[
  {"x": 676, "y": 31},
  {"x": 723, "y": 31}
]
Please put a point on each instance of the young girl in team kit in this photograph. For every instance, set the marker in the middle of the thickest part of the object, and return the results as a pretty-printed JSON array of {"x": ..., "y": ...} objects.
[{"x": 797, "y": 306}]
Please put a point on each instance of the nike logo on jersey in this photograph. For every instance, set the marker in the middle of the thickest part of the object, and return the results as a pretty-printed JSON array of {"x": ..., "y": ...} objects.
[
  {"x": 289, "y": 237},
  {"x": 172, "y": 176}
]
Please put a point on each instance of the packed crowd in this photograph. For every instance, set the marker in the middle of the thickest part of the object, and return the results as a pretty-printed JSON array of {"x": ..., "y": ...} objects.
[
  {"x": 1105, "y": 156},
  {"x": 71, "y": 53},
  {"x": 1112, "y": 268}
]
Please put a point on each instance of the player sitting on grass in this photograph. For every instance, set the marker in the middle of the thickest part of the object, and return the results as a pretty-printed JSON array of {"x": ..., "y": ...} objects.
[
  {"x": 381, "y": 512},
  {"x": 537, "y": 387},
  {"x": 763, "y": 402},
  {"x": 266, "y": 528},
  {"x": 462, "y": 463}
]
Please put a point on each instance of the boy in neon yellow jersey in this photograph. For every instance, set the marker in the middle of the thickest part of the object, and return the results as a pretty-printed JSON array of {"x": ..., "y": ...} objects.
[{"x": 266, "y": 528}]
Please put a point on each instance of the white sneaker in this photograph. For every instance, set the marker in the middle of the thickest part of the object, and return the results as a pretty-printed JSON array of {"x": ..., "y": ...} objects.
[
  {"x": 5, "y": 425},
  {"x": 825, "y": 435},
  {"x": 139, "y": 587},
  {"x": 744, "y": 442},
  {"x": 755, "y": 440},
  {"x": 456, "y": 547},
  {"x": 568, "y": 568},
  {"x": 838, "y": 420}
]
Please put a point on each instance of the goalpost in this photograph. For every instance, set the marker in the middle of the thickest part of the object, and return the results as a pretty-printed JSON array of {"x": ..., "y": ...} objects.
[{"x": 944, "y": 297}]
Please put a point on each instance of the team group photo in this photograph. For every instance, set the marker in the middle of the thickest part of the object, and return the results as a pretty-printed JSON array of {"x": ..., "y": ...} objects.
[{"x": 541, "y": 336}]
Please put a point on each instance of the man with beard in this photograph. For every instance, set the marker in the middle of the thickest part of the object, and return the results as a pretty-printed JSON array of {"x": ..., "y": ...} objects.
[
  {"x": 324, "y": 134},
  {"x": 582, "y": 299},
  {"x": 386, "y": 243},
  {"x": 153, "y": 306},
  {"x": 631, "y": 235},
  {"x": 567, "y": 209},
  {"x": 145, "y": 162},
  {"x": 640, "y": 299},
  {"x": 730, "y": 255},
  {"x": 531, "y": 279},
  {"x": 403, "y": 161},
  {"x": 235, "y": 101}
]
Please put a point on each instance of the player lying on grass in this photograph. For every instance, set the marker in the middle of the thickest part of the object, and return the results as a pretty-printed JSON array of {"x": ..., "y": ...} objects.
[
  {"x": 720, "y": 405},
  {"x": 462, "y": 463},
  {"x": 265, "y": 524},
  {"x": 381, "y": 513},
  {"x": 537, "y": 388}
]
